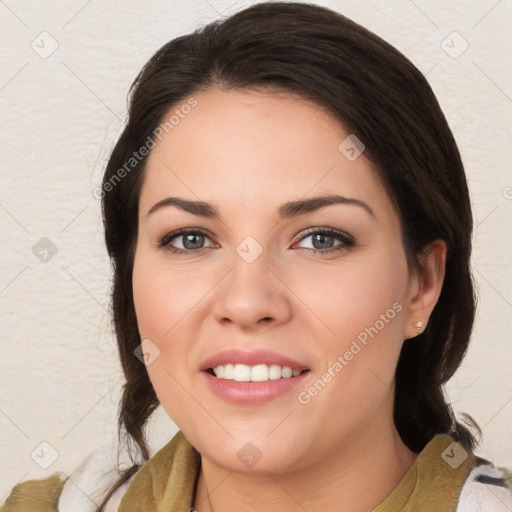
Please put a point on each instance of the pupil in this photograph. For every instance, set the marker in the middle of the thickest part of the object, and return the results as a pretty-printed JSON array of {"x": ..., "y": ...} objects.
[
  {"x": 322, "y": 239},
  {"x": 188, "y": 239}
]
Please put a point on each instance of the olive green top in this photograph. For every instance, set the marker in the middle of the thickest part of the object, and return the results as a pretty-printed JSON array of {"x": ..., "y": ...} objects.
[{"x": 167, "y": 482}]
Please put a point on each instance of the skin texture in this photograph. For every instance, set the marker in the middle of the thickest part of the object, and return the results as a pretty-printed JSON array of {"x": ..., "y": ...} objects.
[{"x": 248, "y": 152}]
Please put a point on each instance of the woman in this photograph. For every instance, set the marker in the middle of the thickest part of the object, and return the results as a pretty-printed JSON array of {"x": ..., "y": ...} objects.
[{"x": 289, "y": 224}]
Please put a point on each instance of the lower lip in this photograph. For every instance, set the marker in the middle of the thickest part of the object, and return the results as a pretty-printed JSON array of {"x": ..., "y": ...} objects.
[{"x": 252, "y": 392}]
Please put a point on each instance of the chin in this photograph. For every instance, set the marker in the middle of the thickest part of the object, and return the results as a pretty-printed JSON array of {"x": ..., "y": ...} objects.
[{"x": 240, "y": 454}]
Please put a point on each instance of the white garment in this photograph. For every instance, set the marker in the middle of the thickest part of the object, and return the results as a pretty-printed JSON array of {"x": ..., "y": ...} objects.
[
  {"x": 88, "y": 484},
  {"x": 484, "y": 497}
]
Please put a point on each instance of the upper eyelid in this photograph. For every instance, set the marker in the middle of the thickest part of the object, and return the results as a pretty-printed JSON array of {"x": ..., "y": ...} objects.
[
  {"x": 332, "y": 231},
  {"x": 182, "y": 232}
]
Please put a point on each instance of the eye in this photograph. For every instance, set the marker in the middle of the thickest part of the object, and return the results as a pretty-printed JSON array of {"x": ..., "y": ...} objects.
[
  {"x": 192, "y": 240},
  {"x": 324, "y": 240}
]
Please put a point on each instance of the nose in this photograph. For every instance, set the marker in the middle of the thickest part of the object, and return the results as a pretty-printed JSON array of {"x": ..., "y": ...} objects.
[{"x": 252, "y": 294}]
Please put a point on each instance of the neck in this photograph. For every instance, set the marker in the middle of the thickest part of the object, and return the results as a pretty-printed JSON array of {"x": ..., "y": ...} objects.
[{"x": 357, "y": 478}]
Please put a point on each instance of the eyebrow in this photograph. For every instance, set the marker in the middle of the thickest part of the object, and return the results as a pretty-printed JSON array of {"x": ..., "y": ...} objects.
[{"x": 287, "y": 210}]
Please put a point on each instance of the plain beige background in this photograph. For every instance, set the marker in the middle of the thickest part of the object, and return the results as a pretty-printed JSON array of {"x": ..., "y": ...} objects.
[{"x": 65, "y": 72}]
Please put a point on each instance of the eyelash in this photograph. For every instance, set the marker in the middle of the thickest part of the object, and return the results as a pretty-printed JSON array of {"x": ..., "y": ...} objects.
[{"x": 347, "y": 241}]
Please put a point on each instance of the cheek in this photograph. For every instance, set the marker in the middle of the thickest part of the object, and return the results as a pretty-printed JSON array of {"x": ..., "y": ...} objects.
[
  {"x": 363, "y": 306},
  {"x": 157, "y": 302},
  {"x": 163, "y": 296},
  {"x": 147, "y": 299},
  {"x": 352, "y": 297},
  {"x": 166, "y": 300}
]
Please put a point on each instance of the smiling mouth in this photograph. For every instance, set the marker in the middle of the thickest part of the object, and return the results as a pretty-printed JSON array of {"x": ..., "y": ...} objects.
[{"x": 257, "y": 373}]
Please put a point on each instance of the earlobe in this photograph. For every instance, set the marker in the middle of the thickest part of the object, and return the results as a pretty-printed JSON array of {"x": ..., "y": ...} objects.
[{"x": 427, "y": 289}]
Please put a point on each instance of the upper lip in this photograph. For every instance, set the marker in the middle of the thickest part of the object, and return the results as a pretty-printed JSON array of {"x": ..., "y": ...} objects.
[{"x": 250, "y": 358}]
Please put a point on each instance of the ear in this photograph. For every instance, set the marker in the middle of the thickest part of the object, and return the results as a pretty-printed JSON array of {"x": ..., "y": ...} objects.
[{"x": 425, "y": 288}]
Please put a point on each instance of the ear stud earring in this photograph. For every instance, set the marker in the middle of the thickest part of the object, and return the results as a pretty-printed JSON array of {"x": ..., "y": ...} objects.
[{"x": 418, "y": 326}]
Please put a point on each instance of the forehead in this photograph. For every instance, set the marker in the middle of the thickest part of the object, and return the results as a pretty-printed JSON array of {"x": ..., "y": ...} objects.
[{"x": 241, "y": 146}]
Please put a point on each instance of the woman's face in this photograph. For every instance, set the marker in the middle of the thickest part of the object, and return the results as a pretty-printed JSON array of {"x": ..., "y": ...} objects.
[{"x": 249, "y": 280}]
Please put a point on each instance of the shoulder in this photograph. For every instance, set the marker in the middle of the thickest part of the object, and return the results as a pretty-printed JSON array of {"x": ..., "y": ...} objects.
[
  {"x": 41, "y": 495},
  {"x": 487, "y": 488},
  {"x": 88, "y": 484},
  {"x": 60, "y": 493}
]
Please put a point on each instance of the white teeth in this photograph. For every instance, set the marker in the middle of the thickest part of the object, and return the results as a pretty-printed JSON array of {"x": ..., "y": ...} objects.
[
  {"x": 286, "y": 372},
  {"x": 258, "y": 373},
  {"x": 242, "y": 373},
  {"x": 229, "y": 372},
  {"x": 275, "y": 372}
]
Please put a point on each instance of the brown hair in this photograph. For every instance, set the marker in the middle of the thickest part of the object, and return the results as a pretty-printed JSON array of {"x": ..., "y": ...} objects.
[{"x": 379, "y": 96}]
